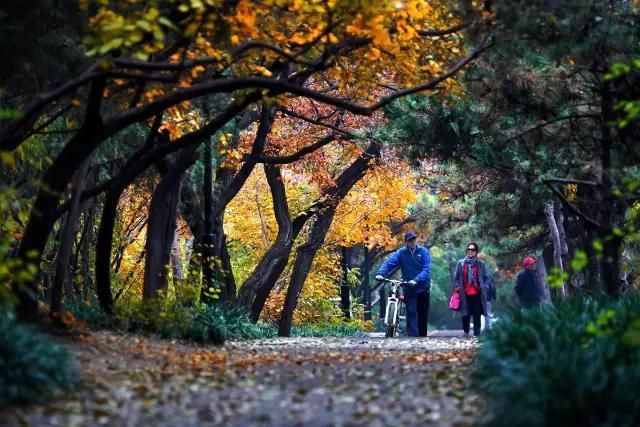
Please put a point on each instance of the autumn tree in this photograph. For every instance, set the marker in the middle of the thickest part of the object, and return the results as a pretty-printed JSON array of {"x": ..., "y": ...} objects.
[{"x": 152, "y": 58}]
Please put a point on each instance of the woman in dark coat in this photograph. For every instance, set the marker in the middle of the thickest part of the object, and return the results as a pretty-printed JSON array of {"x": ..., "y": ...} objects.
[{"x": 473, "y": 282}]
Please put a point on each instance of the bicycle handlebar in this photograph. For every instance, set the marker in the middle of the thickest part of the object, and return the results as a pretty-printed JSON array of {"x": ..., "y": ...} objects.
[{"x": 396, "y": 282}]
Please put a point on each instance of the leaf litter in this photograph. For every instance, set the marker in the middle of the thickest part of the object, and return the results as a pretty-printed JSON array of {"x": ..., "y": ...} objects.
[{"x": 132, "y": 380}]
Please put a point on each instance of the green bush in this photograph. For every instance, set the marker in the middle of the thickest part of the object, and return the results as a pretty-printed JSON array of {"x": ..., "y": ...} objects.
[
  {"x": 217, "y": 323},
  {"x": 267, "y": 330},
  {"x": 213, "y": 323},
  {"x": 207, "y": 325},
  {"x": 575, "y": 364},
  {"x": 88, "y": 311},
  {"x": 31, "y": 365}
]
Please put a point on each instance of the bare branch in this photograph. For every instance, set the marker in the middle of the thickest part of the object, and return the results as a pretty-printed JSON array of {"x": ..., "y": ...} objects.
[
  {"x": 317, "y": 122},
  {"x": 440, "y": 33},
  {"x": 572, "y": 181},
  {"x": 550, "y": 122},
  {"x": 300, "y": 153},
  {"x": 11, "y": 136},
  {"x": 572, "y": 207}
]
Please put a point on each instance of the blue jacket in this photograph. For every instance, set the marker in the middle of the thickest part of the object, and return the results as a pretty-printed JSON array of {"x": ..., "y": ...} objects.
[{"x": 414, "y": 265}]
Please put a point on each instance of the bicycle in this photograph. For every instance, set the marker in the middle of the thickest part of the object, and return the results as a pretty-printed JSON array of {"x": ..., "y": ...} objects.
[{"x": 394, "y": 303}]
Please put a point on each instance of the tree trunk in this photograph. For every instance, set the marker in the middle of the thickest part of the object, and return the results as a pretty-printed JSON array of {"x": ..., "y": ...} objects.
[
  {"x": 304, "y": 258},
  {"x": 103, "y": 248},
  {"x": 541, "y": 272},
  {"x": 562, "y": 234},
  {"x": 43, "y": 211},
  {"x": 227, "y": 187},
  {"x": 69, "y": 231},
  {"x": 345, "y": 296},
  {"x": 366, "y": 288},
  {"x": 557, "y": 247},
  {"x": 256, "y": 288},
  {"x": 306, "y": 253},
  {"x": 177, "y": 259},
  {"x": 85, "y": 257},
  {"x": 564, "y": 246},
  {"x": 162, "y": 224}
]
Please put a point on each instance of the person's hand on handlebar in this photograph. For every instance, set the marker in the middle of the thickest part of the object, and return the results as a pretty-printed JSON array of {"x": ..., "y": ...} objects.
[
  {"x": 412, "y": 283},
  {"x": 379, "y": 277}
]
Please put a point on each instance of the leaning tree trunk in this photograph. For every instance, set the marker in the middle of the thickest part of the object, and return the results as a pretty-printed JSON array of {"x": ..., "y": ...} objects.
[
  {"x": 557, "y": 246},
  {"x": 43, "y": 211},
  {"x": 162, "y": 224},
  {"x": 103, "y": 248},
  {"x": 304, "y": 258},
  {"x": 228, "y": 192},
  {"x": 256, "y": 288},
  {"x": 67, "y": 238},
  {"x": 307, "y": 252}
]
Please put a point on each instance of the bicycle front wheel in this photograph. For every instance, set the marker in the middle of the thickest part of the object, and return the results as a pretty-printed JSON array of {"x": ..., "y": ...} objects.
[{"x": 392, "y": 321}]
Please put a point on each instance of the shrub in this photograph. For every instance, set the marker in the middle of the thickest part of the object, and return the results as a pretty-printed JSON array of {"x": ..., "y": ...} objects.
[
  {"x": 266, "y": 330},
  {"x": 207, "y": 325},
  {"x": 31, "y": 365},
  {"x": 217, "y": 323},
  {"x": 89, "y": 312},
  {"x": 204, "y": 323},
  {"x": 575, "y": 364}
]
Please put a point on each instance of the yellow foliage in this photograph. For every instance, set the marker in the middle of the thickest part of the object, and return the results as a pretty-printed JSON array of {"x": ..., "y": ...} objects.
[
  {"x": 571, "y": 192},
  {"x": 381, "y": 197},
  {"x": 362, "y": 217},
  {"x": 390, "y": 45}
]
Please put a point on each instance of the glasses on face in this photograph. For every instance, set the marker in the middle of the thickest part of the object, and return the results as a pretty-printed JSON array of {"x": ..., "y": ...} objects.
[{"x": 471, "y": 249}]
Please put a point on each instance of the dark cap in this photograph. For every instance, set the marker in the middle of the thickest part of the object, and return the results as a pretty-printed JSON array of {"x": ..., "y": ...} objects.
[{"x": 409, "y": 235}]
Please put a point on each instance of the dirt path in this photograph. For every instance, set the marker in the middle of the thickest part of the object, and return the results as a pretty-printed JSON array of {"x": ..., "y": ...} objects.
[{"x": 135, "y": 381}]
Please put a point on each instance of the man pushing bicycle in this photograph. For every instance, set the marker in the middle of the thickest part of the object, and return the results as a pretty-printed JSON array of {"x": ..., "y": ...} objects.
[{"x": 415, "y": 264}]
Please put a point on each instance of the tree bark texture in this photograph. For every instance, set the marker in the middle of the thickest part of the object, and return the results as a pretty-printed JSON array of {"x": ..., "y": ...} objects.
[
  {"x": 323, "y": 219},
  {"x": 557, "y": 246},
  {"x": 256, "y": 288},
  {"x": 43, "y": 211},
  {"x": 62, "y": 278},
  {"x": 162, "y": 224}
]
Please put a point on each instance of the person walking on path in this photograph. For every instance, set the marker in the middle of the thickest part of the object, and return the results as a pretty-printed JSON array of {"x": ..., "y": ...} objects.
[
  {"x": 473, "y": 283},
  {"x": 415, "y": 264},
  {"x": 528, "y": 286}
]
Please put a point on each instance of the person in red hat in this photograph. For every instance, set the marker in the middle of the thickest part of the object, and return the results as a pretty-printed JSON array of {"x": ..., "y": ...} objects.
[{"x": 528, "y": 287}]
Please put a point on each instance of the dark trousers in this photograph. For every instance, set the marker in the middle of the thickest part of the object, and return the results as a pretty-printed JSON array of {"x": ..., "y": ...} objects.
[
  {"x": 417, "y": 305},
  {"x": 474, "y": 308}
]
